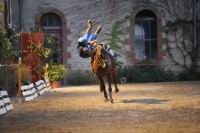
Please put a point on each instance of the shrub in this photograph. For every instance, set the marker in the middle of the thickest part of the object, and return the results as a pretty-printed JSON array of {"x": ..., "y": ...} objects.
[
  {"x": 56, "y": 72},
  {"x": 145, "y": 73},
  {"x": 80, "y": 78},
  {"x": 187, "y": 76}
]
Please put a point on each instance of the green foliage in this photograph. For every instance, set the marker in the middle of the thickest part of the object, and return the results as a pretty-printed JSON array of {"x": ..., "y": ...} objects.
[
  {"x": 145, "y": 73},
  {"x": 153, "y": 73},
  {"x": 13, "y": 36},
  {"x": 80, "y": 78},
  {"x": 115, "y": 40},
  {"x": 50, "y": 51},
  {"x": 51, "y": 44},
  {"x": 188, "y": 76},
  {"x": 50, "y": 41},
  {"x": 56, "y": 71},
  {"x": 134, "y": 74},
  {"x": 43, "y": 52},
  {"x": 117, "y": 30},
  {"x": 7, "y": 51}
]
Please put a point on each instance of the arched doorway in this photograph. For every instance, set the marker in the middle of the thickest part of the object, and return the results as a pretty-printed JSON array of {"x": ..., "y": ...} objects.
[
  {"x": 51, "y": 23},
  {"x": 145, "y": 29}
]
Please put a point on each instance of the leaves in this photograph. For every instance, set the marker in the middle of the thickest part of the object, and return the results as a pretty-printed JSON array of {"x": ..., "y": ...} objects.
[
  {"x": 115, "y": 37},
  {"x": 40, "y": 51},
  {"x": 7, "y": 51},
  {"x": 51, "y": 50},
  {"x": 56, "y": 72}
]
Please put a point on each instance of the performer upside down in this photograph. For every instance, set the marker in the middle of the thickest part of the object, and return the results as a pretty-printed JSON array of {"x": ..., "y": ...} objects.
[{"x": 87, "y": 42}]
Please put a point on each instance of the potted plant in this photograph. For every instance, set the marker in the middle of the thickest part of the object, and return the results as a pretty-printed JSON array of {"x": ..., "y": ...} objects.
[{"x": 56, "y": 72}]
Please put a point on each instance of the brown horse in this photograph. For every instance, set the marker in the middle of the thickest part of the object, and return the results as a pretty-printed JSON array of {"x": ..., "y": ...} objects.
[{"x": 103, "y": 65}]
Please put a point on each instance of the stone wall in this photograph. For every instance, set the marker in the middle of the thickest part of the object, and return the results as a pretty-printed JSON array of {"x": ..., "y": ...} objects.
[{"x": 104, "y": 12}]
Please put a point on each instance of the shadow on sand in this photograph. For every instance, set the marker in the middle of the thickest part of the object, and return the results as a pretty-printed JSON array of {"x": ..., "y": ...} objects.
[{"x": 145, "y": 101}]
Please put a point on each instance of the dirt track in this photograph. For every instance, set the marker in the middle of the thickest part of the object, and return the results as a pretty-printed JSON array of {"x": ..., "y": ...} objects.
[{"x": 137, "y": 108}]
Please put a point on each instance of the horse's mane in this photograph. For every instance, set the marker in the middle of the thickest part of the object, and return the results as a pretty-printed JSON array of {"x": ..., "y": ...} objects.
[{"x": 100, "y": 55}]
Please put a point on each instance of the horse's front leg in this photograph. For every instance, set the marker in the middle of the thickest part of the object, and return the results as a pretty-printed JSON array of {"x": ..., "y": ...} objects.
[
  {"x": 110, "y": 88},
  {"x": 103, "y": 88}
]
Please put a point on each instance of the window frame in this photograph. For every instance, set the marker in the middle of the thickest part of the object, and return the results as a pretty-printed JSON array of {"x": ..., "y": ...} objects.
[
  {"x": 142, "y": 21},
  {"x": 160, "y": 40},
  {"x": 56, "y": 20}
]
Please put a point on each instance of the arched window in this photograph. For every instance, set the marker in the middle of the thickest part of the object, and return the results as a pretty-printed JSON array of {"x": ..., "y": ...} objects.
[
  {"x": 145, "y": 35},
  {"x": 51, "y": 23},
  {"x": 50, "y": 20}
]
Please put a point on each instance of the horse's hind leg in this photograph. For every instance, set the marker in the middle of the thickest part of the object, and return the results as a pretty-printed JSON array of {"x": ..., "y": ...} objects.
[
  {"x": 110, "y": 88},
  {"x": 103, "y": 88},
  {"x": 114, "y": 80}
]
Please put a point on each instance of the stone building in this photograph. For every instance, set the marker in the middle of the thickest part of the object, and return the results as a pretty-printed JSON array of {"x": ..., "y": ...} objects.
[
  {"x": 154, "y": 30},
  {"x": 1, "y": 13}
]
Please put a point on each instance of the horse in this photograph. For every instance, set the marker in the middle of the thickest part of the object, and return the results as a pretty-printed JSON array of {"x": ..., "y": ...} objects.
[{"x": 99, "y": 58}]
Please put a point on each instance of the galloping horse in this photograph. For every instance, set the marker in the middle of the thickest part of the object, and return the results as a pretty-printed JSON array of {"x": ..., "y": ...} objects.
[{"x": 99, "y": 57}]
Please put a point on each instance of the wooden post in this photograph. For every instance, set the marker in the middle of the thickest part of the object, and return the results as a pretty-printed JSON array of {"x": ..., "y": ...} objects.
[
  {"x": 40, "y": 71},
  {"x": 5, "y": 77},
  {"x": 46, "y": 72},
  {"x": 19, "y": 77}
]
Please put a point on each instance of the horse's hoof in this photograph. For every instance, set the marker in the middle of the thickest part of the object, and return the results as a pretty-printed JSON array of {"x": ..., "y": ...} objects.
[
  {"x": 116, "y": 90},
  {"x": 105, "y": 99},
  {"x": 111, "y": 101}
]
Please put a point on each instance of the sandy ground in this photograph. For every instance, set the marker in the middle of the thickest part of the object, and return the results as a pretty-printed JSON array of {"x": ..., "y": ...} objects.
[{"x": 137, "y": 108}]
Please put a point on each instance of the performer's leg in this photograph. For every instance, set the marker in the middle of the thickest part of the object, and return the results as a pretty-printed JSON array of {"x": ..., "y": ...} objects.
[
  {"x": 98, "y": 30},
  {"x": 89, "y": 28}
]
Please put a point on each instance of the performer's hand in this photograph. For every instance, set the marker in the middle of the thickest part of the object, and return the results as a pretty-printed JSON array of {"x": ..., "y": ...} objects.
[{"x": 94, "y": 42}]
